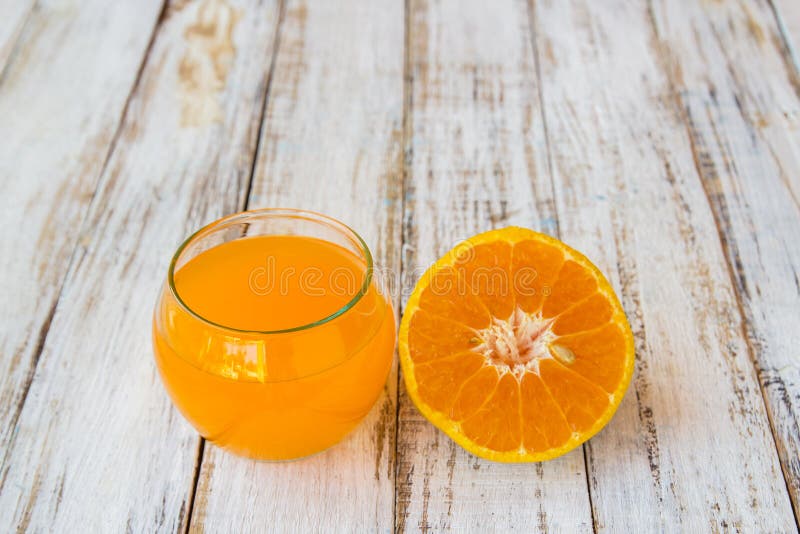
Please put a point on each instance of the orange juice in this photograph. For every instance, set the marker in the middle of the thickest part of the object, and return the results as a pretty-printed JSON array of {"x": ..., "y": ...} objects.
[{"x": 274, "y": 346}]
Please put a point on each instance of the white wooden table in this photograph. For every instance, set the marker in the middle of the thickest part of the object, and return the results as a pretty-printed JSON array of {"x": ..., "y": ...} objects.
[{"x": 660, "y": 137}]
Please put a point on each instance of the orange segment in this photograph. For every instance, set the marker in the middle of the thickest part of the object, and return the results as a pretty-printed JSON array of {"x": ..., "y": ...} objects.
[
  {"x": 592, "y": 313},
  {"x": 446, "y": 295},
  {"x": 434, "y": 337},
  {"x": 439, "y": 378},
  {"x": 474, "y": 392},
  {"x": 515, "y": 345},
  {"x": 496, "y": 424},
  {"x": 581, "y": 401},
  {"x": 485, "y": 270},
  {"x": 591, "y": 351},
  {"x": 544, "y": 425},
  {"x": 534, "y": 266},
  {"x": 574, "y": 283}
]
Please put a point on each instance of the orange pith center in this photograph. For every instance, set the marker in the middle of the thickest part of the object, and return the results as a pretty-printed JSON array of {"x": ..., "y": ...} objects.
[{"x": 516, "y": 345}]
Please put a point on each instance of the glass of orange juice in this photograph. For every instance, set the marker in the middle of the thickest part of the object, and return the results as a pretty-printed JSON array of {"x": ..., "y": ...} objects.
[{"x": 271, "y": 334}]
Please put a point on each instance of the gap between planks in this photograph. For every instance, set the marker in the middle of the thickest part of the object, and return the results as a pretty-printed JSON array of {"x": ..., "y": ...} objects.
[
  {"x": 270, "y": 74},
  {"x": 788, "y": 51},
  {"x": 408, "y": 101}
]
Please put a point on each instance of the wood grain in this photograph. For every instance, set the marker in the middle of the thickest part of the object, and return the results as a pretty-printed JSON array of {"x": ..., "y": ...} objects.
[
  {"x": 478, "y": 160},
  {"x": 787, "y": 19},
  {"x": 742, "y": 108},
  {"x": 98, "y": 445},
  {"x": 15, "y": 14},
  {"x": 331, "y": 142},
  {"x": 690, "y": 449},
  {"x": 61, "y": 101}
]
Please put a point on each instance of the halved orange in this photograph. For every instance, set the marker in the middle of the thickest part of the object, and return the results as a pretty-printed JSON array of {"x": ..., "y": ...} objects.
[{"x": 516, "y": 346}]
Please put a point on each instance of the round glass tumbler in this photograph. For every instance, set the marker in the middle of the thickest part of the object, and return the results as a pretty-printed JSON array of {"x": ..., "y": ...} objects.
[{"x": 271, "y": 334}]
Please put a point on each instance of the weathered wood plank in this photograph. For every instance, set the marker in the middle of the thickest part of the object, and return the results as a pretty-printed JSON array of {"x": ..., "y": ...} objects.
[
  {"x": 790, "y": 13},
  {"x": 99, "y": 446},
  {"x": 15, "y": 13},
  {"x": 478, "y": 160},
  {"x": 691, "y": 448},
  {"x": 331, "y": 142},
  {"x": 742, "y": 107},
  {"x": 787, "y": 18},
  {"x": 61, "y": 101}
]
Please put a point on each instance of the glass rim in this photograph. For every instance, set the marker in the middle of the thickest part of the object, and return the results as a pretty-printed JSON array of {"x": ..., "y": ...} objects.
[{"x": 289, "y": 213}]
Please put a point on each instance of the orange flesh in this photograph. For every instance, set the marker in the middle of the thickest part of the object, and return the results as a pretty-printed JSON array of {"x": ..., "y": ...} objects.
[
  {"x": 516, "y": 347},
  {"x": 274, "y": 396}
]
